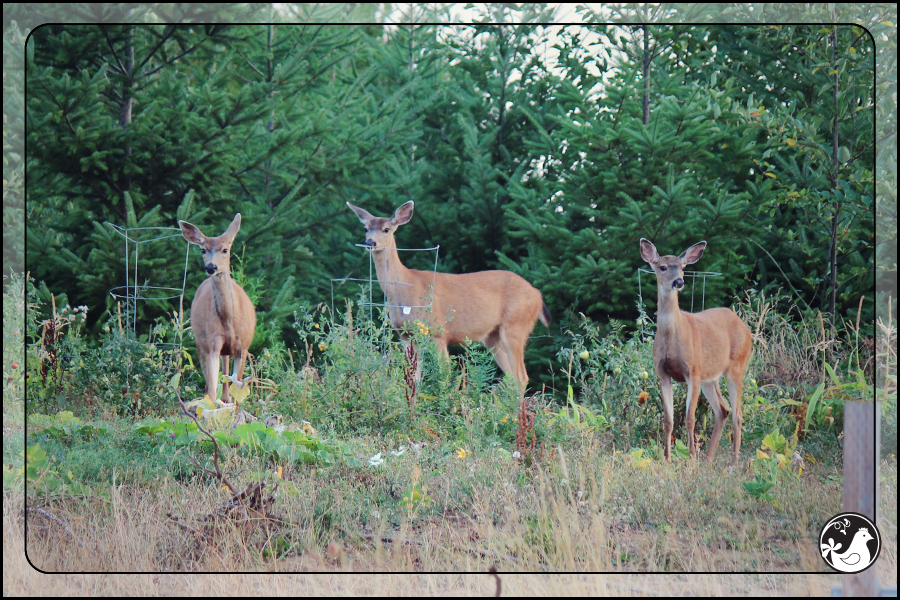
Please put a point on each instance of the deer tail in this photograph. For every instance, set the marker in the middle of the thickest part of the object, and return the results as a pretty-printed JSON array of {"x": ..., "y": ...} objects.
[{"x": 545, "y": 317}]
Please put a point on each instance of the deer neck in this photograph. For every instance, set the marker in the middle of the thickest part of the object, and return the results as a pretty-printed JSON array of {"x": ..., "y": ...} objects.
[
  {"x": 223, "y": 294},
  {"x": 392, "y": 275},
  {"x": 668, "y": 315}
]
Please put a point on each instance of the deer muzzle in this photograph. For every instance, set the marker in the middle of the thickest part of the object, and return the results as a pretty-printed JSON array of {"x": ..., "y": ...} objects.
[
  {"x": 211, "y": 269},
  {"x": 370, "y": 244},
  {"x": 678, "y": 283}
]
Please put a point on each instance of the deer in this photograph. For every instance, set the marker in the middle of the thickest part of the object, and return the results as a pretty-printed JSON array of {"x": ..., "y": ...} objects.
[
  {"x": 223, "y": 317},
  {"x": 696, "y": 349},
  {"x": 496, "y": 308}
]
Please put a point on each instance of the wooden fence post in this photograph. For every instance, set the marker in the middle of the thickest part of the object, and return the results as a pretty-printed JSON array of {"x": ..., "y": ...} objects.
[{"x": 862, "y": 443}]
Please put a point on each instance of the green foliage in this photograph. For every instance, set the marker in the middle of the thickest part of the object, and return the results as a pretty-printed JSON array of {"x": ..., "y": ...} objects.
[
  {"x": 276, "y": 445},
  {"x": 772, "y": 463},
  {"x": 40, "y": 479}
]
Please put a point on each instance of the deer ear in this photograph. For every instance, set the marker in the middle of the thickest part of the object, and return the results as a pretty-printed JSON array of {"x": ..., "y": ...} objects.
[
  {"x": 191, "y": 233},
  {"x": 363, "y": 215},
  {"x": 693, "y": 254},
  {"x": 403, "y": 214},
  {"x": 648, "y": 252},
  {"x": 232, "y": 229}
]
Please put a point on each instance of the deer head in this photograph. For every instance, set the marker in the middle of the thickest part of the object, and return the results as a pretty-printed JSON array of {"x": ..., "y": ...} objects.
[
  {"x": 670, "y": 269},
  {"x": 216, "y": 250},
  {"x": 380, "y": 230}
]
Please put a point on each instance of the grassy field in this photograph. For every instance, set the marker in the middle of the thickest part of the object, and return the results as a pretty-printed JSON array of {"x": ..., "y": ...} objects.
[{"x": 468, "y": 479}]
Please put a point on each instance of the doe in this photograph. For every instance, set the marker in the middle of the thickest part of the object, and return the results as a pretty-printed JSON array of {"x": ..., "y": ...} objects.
[
  {"x": 222, "y": 316},
  {"x": 697, "y": 349},
  {"x": 497, "y": 308}
]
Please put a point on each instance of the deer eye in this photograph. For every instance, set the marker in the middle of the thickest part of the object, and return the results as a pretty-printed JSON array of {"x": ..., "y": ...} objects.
[
  {"x": 224, "y": 250},
  {"x": 662, "y": 269},
  {"x": 387, "y": 230}
]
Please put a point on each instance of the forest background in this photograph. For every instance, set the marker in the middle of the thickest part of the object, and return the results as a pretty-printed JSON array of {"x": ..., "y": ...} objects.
[{"x": 545, "y": 150}]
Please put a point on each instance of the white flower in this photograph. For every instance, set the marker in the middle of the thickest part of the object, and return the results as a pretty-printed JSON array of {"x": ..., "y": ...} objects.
[
  {"x": 517, "y": 454},
  {"x": 376, "y": 460},
  {"x": 399, "y": 451}
]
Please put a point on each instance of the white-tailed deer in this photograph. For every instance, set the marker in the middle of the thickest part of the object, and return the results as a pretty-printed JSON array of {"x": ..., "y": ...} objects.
[
  {"x": 497, "y": 308},
  {"x": 222, "y": 316},
  {"x": 697, "y": 349}
]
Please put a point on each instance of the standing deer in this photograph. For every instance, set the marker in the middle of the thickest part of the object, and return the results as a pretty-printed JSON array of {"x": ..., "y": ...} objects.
[
  {"x": 222, "y": 315},
  {"x": 697, "y": 349},
  {"x": 497, "y": 308}
]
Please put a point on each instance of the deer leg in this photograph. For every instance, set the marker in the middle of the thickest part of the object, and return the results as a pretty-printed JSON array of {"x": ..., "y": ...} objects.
[
  {"x": 413, "y": 356},
  {"x": 665, "y": 391},
  {"x": 226, "y": 392},
  {"x": 735, "y": 383},
  {"x": 440, "y": 345},
  {"x": 514, "y": 347},
  {"x": 211, "y": 372},
  {"x": 495, "y": 345},
  {"x": 693, "y": 397},
  {"x": 240, "y": 362},
  {"x": 714, "y": 397}
]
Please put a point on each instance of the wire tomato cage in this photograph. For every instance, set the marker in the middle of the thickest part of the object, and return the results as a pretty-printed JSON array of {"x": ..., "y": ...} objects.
[
  {"x": 367, "y": 284},
  {"x": 134, "y": 291}
]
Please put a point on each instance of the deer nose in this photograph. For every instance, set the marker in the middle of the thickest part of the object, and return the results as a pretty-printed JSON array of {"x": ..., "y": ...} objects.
[
  {"x": 371, "y": 243},
  {"x": 678, "y": 283},
  {"x": 211, "y": 269}
]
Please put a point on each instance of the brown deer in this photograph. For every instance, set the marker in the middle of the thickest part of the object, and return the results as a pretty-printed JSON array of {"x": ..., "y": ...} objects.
[
  {"x": 222, "y": 316},
  {"x": 697, "y": 349},
  {"x": 497, "y": 308}
]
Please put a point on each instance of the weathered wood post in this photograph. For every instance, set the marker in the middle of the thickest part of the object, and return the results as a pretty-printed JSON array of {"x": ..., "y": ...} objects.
[{"x": 862, "y": 442}]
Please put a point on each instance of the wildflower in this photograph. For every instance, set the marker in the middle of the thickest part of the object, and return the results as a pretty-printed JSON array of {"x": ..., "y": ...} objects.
[
  {"x": 399, "y": 451},
  {"x": 517, "y": 454},
  {"x": 504, "y": 419},
  {"x": 376, "y": 460},
  {"x": 642, "y": 397},
  {"x": 323, "y": 347},
  {"x": 461, "y": 454},
  {"x": 279, "y": 471},
  {"x": 316, "y": 325}
]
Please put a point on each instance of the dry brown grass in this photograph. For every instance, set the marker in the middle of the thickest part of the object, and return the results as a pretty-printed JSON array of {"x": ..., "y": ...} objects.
[{"x": 547, "y": 525}]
